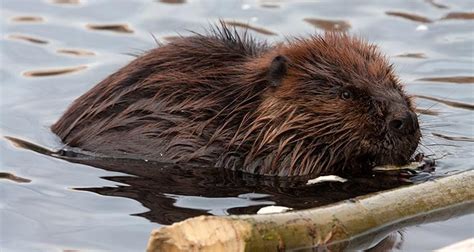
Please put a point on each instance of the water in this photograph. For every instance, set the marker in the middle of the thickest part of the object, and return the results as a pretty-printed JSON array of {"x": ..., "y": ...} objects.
[{"x": 53, "y": 51}]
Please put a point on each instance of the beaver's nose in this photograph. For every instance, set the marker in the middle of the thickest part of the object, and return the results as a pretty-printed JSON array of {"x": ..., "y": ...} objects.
[{"x": 406, "y": 123}]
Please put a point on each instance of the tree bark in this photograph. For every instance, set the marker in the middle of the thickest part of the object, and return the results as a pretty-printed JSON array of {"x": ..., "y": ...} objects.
[{"x": 352, "y": 224}]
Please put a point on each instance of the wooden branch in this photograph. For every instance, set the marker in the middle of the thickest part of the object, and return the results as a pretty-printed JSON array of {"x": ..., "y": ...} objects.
[{"x": 356, "y": 223}]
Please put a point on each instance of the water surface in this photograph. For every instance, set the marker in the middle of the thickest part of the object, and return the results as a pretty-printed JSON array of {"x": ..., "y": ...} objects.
[{"x": 53, "y": 51}]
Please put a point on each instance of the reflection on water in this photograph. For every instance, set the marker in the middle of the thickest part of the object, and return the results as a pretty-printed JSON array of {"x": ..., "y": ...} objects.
[
  {"x": 250, "y": 27},
  {"x": 66, "y": 1},
  {"x": 454, "y": 138},
  {"x": 437, "y": 5},
  {"x": 455, "y": 104},
  {"x": 329, "y": 25},
  {"x": 28, "y": 38},
  {"x": 54, "y": 50},
  {"x": 412, "y": 17},
  {"x": 32, "y": 19},
  {"x": 412, "y": 55},
  {"x": 459, "y": 15},
  {"x": 453, "y": 79},
  {"x": 6, "y": 175},
  {"x": 55, "y": 71},
  {"x": 173, "y": 1},
  {"x": 153, "y": 190},
  {"x": 120, "y": 28},
  {"x": 158, "y": 185},
  {"x": 76, "y": 52}
]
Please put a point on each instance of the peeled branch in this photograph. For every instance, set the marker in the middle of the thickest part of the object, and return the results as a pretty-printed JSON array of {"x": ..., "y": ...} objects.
[{"x": 352, "y": 224}]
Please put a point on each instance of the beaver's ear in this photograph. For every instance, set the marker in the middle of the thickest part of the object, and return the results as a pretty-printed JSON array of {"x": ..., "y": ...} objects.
[{"x": 277, "y": 70}]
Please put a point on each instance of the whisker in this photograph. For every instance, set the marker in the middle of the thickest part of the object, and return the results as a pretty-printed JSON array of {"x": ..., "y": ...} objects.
[
  {"x": 425, "y": 111},
  {"x": 157, "y": 42},
  {"x": 424, "y": 146}
]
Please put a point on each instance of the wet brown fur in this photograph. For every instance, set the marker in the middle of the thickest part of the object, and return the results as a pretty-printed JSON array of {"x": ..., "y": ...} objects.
[{"x": 210, "y": 100}]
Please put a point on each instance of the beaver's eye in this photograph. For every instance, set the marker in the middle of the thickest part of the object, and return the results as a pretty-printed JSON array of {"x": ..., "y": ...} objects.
[{"x": 346, "y": 95}]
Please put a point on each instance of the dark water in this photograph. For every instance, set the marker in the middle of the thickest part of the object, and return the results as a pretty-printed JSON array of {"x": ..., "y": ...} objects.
[{"x": 53, "y": 51}]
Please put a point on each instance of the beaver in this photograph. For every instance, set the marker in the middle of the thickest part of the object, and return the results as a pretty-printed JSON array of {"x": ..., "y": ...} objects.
[{"x": 324, "y": 104}]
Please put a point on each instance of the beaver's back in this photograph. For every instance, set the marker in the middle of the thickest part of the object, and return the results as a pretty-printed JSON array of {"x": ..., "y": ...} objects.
[{"x": 169, "y": 104}]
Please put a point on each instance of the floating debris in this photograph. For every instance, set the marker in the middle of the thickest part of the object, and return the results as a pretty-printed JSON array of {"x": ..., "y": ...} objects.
[
  {"x": 9, "y": 176},
  {"x": 120, "y": 28},
  {"x": 409, "y": 16},
  {"x": 253, "y": 28},
  {"x": 450, "y": 79},
  {"x": 55, "y": 71},
  {"x": 329, "y": 25},
  {"x": 28, "y": 39},
  {"x": 27, "y": 19},
  {"x": 76, "y": 52}
]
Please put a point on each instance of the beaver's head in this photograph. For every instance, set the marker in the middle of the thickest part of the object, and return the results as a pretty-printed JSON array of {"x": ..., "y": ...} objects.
[{"x": 357, "y": 114}]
